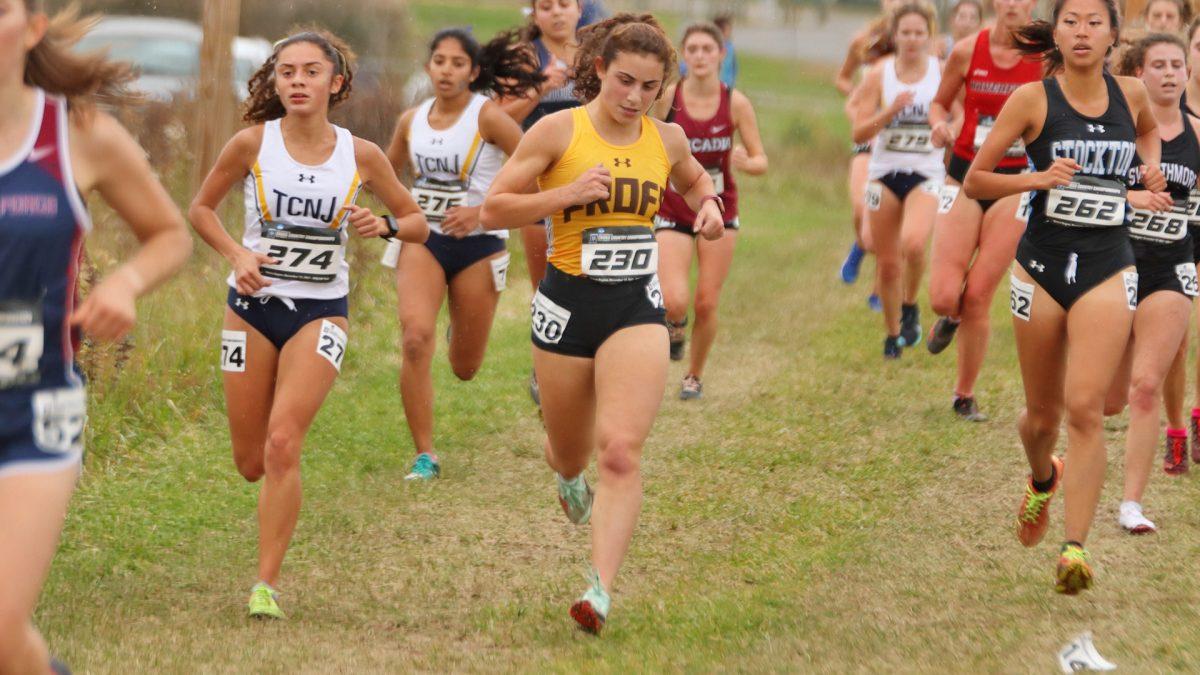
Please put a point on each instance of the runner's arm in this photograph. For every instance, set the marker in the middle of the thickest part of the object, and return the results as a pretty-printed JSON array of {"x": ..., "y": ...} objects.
[
  {"x": 1017, "y": 119},
  {"x": 377, "y": 174},
  {"x": 514, "y": 200},
  {"x": 755, "y": 160}
]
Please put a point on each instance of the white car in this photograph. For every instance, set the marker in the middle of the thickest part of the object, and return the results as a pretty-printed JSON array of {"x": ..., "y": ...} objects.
[{"x": 166, "y": 53}]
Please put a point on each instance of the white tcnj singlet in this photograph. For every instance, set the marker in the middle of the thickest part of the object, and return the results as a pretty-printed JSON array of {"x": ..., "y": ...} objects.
[
  {"x": 296, "y": 213},
  {"x": 904, "y": 145},
  {"x": 453, "y": 167}
]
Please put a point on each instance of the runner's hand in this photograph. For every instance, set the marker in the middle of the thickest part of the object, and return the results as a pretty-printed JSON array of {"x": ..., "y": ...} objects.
[
  {"x": 1152, "y": 178},
  {"x": 943, "y": 135},
  {"x": 365, "y": 223},
  {"x": 710, "y": 223},
  {"x": 592, "y": 185},
  {"x": 246, "y": 276},
  {"x": 109, "y": 311},
  {"x": 461, "y": 221},
  {"x": 1060, "y": 173},
  {"x": 1150, "y": 201}
]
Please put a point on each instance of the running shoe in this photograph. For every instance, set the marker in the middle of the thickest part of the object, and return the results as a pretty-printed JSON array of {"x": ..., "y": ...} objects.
[
  {"x": 1074, "y": 574},
  {"x": 58, "y": 667},
  {"x": 535, "y": 392},
  {"x": 575, "y": 496},
  {"x": 425, "y": 467},
  {"x": 1175, "y": 459},
  {"x": 263, "y": 602},
  {"x": 874, "y": 303},
  {"x": 677, "y": 332},
  {"x": 1033, "y": 518},
  {"x": 691, "y": 388},
  {"x": 1195, "y": 434},
  {"x": 941, "y": 335},
  {"x": 1132, "y": 520},
  {"x": 891, "y": 347},
  {"x": 852, "y": 263},
  {"x": 591, "y": 609},
  {"x": 968, "y": 410},
  {"x": 910, "y": 325}
]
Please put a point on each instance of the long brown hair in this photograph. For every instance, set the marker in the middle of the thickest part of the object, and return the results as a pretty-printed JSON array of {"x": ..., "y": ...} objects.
[
  {"x": 531, "y": 31},
  {"x": 82, "y": 78},
  {"x": 264, "y": 104},
  {"x": 708, "y": 28},
  {"x": 625, "y": 32},
  {"x": 1036, "y": 38}
]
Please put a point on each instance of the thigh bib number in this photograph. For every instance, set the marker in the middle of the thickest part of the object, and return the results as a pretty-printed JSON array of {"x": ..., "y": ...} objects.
[
  {"x": 615, "y": 254},
  {"x": 1186, "y": 273},
  {"x": 983, "y": 127},
  {"x": 1159, "y": 226},
  {"x": 21, "y": 342},
  {"x": 914, "y": 138},
  {"x": 436, "y": 197},
  {"x": 549, "y": 320},
  {"x": 1193, "y": 208},
  {"x": 1087, "y": 202},
  {"x": 312, "y": 254}
]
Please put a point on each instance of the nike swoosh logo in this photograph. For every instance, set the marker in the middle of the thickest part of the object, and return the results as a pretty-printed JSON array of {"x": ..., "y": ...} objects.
[
  {"x": 41, "y": 153},
  {"x": 717, "y": 130}
]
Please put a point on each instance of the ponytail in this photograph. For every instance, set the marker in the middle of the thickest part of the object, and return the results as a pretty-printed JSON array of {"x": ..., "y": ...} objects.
[
  {"x": 81, "y": 78},
  {"x": 505, "y": 67},
  {"x": 625, "y": 32}
]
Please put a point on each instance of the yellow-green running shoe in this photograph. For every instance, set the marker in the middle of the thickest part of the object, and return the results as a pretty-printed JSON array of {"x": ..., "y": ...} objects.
[
  {"x": 591, "y": 609},
  {"x": 263, "y": 603},
  {"x": 1074, "y": 574}
]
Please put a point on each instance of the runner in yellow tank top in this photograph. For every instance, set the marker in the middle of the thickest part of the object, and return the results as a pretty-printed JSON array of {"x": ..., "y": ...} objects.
[{"x": 599, "y": 333}]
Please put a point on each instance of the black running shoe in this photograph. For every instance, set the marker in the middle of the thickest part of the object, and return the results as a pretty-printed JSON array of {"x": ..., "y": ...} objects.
[
  {"x": 910, "y": 325},
  {"x": 941, "y": 335},
  {"x": 891, "y": 347},
  {"x": 678, "y": 335},
  {"x": 967, "y": 409}
]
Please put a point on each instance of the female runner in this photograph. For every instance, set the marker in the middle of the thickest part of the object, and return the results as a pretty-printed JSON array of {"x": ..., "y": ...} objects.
[
  {"x": 867, "y": 46},
  {"x": 1163, "y": 249},
  {"x": 56, "y": 149},
  {"x": 891, "y": 109},
  {"x": 974, "y": 240},
  {"x": 551, "y": 39},
  {"x": 1082, "y": 128},
  {"x": 600, "y": 346},
  {"x": 454, "y": 144},
  {"x": 1175, "y": 458},
  {"x": 709, "y": 113},
  {"x": 284, "y": 333},
  {"x": 965, "y": 20}
]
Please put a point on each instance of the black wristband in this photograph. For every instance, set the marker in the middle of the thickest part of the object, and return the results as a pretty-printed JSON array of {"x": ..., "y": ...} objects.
[{"x": 391, "y": 225}]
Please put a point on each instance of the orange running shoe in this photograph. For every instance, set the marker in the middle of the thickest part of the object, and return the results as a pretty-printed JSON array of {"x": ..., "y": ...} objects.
[
  {"x": 1074, "y": 573},
  {"x": 1033, "y": 518}
]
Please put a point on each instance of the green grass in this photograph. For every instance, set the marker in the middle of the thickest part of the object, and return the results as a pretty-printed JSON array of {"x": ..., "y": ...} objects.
[{"x": 819, "y": 510}]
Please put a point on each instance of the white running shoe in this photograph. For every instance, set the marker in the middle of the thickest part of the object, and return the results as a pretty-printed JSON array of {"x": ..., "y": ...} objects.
[{"x": 1132, "y": 520}]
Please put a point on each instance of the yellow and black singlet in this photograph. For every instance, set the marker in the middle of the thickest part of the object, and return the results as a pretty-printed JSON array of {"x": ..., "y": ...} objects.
[{"x": 609, "y": 240}]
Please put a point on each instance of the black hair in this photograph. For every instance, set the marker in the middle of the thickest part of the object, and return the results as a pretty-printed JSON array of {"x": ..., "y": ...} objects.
[{"x": 504, "y": 67}]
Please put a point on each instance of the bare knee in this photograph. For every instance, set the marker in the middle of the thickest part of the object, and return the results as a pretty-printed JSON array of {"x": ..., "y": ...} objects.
[
  {"x": 418, "y": 343},
  {"x": 1085, "y": 415},
  {"x": 15, "y": 634},
  {"x": 620, "y": 457},
  {"x": 250, "y": 466},
  {"x": 465, "y": 369},
  {"x": 706, "y": 307},
  {"x": 282, "y": 453},
  {"x": 944, "y": 298},
  {"x": 976, "y": 304},
  {"x": 890, "y": 269},
  {"x": 1040, "y": 425},
  {"x": 1144, "y": 394},
  {"x": 914, "y": 250},
  {"x": 675, "y": 298}
]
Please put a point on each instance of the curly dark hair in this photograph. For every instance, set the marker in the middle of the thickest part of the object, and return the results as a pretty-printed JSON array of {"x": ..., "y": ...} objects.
[
  {"x": 1134, "y": 57},
  {"x": 504, "y": 66},
  {"x": 264, "y": 104},
  {"x": 625, "y": 32}
]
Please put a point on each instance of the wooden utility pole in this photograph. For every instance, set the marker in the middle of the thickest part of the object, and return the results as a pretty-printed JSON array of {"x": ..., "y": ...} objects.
[{"x": 216, "y": 101}]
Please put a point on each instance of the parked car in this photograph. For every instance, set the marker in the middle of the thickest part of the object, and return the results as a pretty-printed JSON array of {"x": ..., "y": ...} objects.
[{"x": 166, "y": 53}]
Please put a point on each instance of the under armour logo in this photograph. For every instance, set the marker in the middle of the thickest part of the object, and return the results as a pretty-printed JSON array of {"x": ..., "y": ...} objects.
[
  {"x": 1037, "y": 266},
  {"x": 437, "y": 141},
  {"x": 1095, "y": 128},
  {"x": 617, "y": 162},
  {"x": 308, "y": 179},
  {"x": 244, "y": 304}
]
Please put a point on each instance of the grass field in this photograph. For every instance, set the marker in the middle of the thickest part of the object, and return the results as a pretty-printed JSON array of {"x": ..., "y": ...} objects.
[{"x": 819, "y": 510}]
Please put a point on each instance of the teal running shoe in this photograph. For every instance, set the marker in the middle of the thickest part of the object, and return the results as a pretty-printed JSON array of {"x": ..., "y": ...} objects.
[
  {"x": 425, "y": 467},
  {"x": 591, "y": 609},
  {"x": 575, "y": 496},
  {"x": 264, "y": 603}
]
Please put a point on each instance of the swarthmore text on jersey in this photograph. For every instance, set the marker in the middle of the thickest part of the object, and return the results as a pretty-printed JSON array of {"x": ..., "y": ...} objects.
[{"x": 628, "y": 195}]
